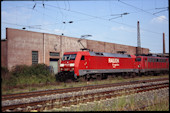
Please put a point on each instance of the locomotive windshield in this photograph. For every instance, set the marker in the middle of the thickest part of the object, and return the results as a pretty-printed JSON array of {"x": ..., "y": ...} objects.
[{"x": 69, "y": 57}]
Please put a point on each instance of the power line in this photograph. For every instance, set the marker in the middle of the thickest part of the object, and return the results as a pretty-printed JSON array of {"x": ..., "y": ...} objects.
[
  {"x": 96, "y": 17},
  {"x": 165, "y": 9},
  {"x": 118, "y": 15},
  {"x": 23, "y": 26},
  {"x": 100, "y": 18},
  {"x": 31, "y": 27},
  {"x": 103, "y": 19},
  {"x": 140, "y": 9},
  {"x": 34, "y": 26},
  {"x": 27, "y": 5}
]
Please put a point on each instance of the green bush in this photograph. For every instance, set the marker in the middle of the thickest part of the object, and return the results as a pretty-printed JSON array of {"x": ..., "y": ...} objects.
[
  {"x": 5, "y": 76},
  {"x": 20, "y": 70},
  {"x": 4, "y": 73},
  {"x": 24, "y": 70},
  {"x": 4, "y": 70},
  {"x": 27, "y": 75}
]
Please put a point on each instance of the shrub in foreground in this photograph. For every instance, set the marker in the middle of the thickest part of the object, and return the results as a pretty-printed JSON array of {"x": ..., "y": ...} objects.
[{"x": 27, "y": 75}]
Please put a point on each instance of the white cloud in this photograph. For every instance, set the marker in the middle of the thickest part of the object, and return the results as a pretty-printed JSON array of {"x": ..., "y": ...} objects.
[
  {"x": 159, "y": 19},
  {"x": 16, "y": 16},
  {"x": 59, "y": 31},
  {"x": 122, "y": 28}
]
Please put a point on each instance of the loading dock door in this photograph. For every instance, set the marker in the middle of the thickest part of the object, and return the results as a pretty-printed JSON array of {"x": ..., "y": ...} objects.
[{"x": 54, "y": 64}]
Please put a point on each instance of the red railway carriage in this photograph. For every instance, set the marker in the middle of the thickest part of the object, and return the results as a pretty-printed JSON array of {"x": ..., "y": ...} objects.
[
  {"x": 87, "y": 63},
  {"x": 152, "y": 64}
]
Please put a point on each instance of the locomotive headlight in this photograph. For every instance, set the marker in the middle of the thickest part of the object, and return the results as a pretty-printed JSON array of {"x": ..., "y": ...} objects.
[
  {"x": 61, "y": 65},
  {"x": 61, "y": 69},
  {"x": 71, "y": 64},
  {"x": 72, "y": 69}
]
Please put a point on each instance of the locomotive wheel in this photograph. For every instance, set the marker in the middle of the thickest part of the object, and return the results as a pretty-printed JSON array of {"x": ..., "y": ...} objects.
[
  {"x": 151, "y": 73},
  {"x": 60, "y": 77},
  {"x": 99, "y": 77},
  {"x": 126, "y": 75},
  {"x": 104, "y": 76},
  {"x": 133, "y": 74},
  {"x": 113, "y": 75},
  {"x": 155, "y": 73},
  {"x": 88, "y": 77},
  {"x": 81, "y": 79},
  {"x": 146, "y": 73},
  {"x": 65, "y": 76}
]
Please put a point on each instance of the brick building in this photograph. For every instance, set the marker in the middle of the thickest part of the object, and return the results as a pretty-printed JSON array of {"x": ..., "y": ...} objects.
[{"x": 27, "y": 47}]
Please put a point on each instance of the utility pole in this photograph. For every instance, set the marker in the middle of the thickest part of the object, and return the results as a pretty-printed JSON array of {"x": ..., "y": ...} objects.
[
  {"x": 163, "y": 43},
  {"x": 138, "y": 40}
]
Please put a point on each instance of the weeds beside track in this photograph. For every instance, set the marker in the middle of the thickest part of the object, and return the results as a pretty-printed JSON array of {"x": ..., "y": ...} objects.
[{"x": 70, "y": 96}]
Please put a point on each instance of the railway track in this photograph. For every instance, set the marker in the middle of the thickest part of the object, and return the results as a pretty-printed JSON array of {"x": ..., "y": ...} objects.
[
  {"x": 58, "y": 91},
  {"x": 58, "y": 98}
]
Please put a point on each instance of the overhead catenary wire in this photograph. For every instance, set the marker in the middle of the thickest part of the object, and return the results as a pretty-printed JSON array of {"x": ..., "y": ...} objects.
[
  {"x": 31, "y": 27},
  {"x": 97, "y": 17},
  {"x": 33, "y": 8},
  {"x": 77, "y": 19},
  {"x": 139, "y": 9},
  {"x": 93, "y": 17},
  {"x": 165, "y": 9},
  {"x": 118, "y": 15},
  {"x": 85, "y": 19}
]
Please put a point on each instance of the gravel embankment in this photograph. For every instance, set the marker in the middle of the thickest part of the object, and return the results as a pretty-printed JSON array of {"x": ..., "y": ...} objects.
[
  {"x": 128, "y": 103},
  {"x": 55, "y": 96}
]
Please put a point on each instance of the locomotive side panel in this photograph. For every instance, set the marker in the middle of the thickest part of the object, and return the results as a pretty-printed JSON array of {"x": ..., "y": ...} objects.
[
  {"x": 93, "y": 64},
  {"x": 99, "y": 64},
  {"x": 152, "y": 64}
]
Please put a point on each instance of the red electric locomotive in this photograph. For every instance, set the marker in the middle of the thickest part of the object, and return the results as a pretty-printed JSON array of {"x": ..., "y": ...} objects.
[
  {"x": 152, "y": 64},
  {"x": 98, "y": 65},
  {"x": 94, "y": 64}
]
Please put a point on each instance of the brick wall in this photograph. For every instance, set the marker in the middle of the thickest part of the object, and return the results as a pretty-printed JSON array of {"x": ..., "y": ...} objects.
[
  {"x": 21, "y": 43},
  {"x": 3, "y": 53}
]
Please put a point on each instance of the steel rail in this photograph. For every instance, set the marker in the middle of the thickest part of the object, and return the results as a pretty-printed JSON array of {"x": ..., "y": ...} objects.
[
  {"x": 67, "y": 101},
  {"x": 59, "y": 91}
]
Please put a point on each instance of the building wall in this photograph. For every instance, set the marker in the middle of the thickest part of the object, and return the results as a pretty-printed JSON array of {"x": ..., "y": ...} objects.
[
  {"x": 51, "y": 43},
  {"x": 21, "y": 43},
  {"x": 3, "y": 53},
  {"x": 98, "y": 46},
  {"x": 20, "y": 47},
  {"x": 72, "y": 44},
  {"x": 145, "y": 50}
]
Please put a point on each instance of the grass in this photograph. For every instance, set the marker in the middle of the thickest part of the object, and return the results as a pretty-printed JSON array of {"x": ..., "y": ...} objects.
[
  {"x": 60, "y": 85},
  {"x": 22, "y": 77},
  {"x": 162, "y": 106},
  {"x": 127, "y": 103}
]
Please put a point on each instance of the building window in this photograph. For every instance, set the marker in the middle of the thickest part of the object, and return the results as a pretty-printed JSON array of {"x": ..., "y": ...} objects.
[
  {"x": 34, "y": 57},
  {"x": 54, "y": 54}
]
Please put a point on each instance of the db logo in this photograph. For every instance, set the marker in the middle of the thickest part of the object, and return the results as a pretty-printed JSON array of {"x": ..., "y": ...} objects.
[
  {"x": 114, "y": 61},
  {"x": 115, "y": 65}
]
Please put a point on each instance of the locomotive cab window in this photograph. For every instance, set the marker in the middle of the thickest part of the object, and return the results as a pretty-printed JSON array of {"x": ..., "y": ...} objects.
[
  {"x": 82, "y": 58},
  {"x": 138, "y": 59},
  {"x": 69, "y": 57}
]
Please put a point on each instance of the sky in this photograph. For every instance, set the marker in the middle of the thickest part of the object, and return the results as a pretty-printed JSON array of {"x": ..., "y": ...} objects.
[{"x": 113, "y": 21}]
